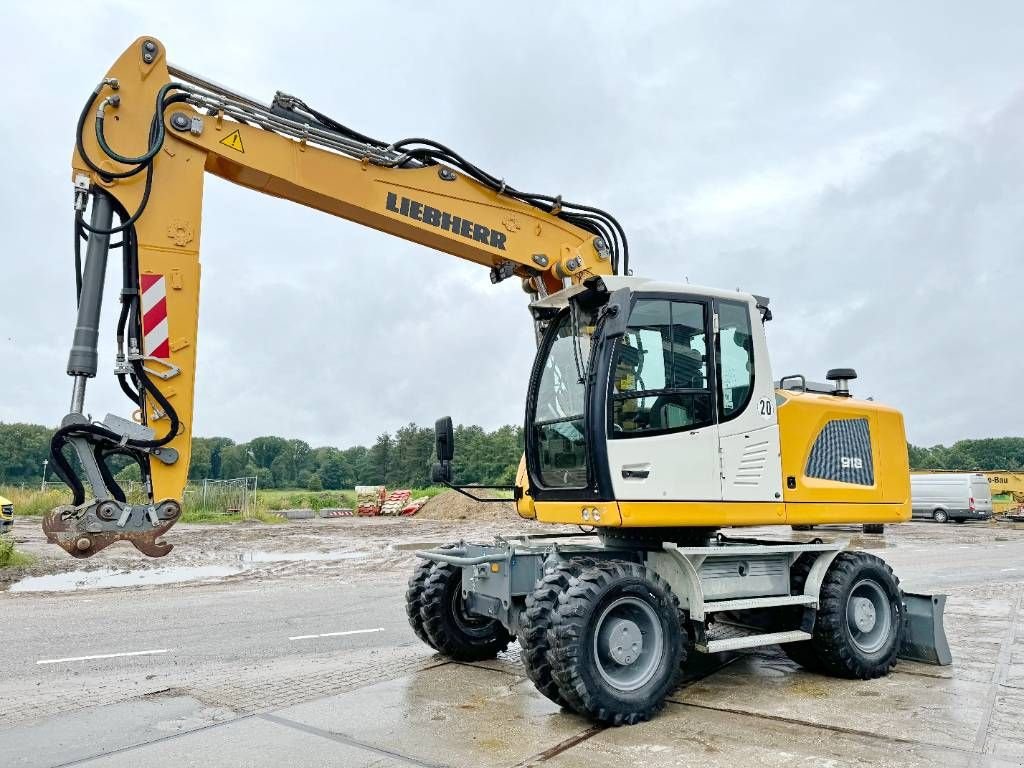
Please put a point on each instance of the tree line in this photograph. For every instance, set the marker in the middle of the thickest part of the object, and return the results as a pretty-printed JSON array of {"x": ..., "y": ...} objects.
[{"x": 402, "y": 459}]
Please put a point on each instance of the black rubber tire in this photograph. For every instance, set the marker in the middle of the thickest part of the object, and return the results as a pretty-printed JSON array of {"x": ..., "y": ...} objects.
[
  {"x": 414, "y": 598},
  {"x": 874, "y": 527},
  {"x": 802, "y": 653},
  {"x": 940, "y": 516},
  {"x": 835, "y": 652},
  {"x": 571, "y": 655},
  {"x": 450, "y": 631},
  {"x": 535, "y": 624}
]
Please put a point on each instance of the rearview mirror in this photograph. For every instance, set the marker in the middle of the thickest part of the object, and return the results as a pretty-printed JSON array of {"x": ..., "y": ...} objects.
[
  {"x": 444, "y": 446},
  {"x": 444, "y": 439}
]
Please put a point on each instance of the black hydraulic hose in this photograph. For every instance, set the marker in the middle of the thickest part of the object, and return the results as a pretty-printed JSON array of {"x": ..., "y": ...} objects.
[
  {"x": 63, "y": 469},
  {"x": 108, "y": 477},
  {"x": 78, "y": 259}
]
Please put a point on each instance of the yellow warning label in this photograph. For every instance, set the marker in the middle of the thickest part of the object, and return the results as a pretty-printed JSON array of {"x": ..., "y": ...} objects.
[{"x": 234, "y": 140}]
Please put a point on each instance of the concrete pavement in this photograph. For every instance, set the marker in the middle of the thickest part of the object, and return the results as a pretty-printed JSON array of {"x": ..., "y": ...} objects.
[{"x": 234, "y": 689}]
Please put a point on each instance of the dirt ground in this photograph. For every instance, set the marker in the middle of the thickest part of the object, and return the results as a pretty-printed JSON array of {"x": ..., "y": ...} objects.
[{"x": 353, "y": 548}]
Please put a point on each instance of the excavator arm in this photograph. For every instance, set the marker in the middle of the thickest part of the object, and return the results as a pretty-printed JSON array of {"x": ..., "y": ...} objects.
[{"x": 147, "y": 135}]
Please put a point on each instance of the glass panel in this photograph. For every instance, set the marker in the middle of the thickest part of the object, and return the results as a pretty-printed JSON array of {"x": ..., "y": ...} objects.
[
  {"x": 689, "y": 347},
  {"x": 737, "y": 356},
  {"x": 563, "y": 454},
  {"x": 561, "y": 393},
  {"x": 560, "y": 402},
  {"x": 641, "y": 355},
  {"x": 657, "y": 412}
]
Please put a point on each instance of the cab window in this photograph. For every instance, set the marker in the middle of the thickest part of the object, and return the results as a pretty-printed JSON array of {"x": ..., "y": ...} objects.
[
  {"x": 736, "y": 357},
  {"x": 660, "y": 370}
]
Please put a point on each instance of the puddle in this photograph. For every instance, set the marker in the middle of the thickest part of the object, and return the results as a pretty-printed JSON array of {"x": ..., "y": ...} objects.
[
  {"x": 112, "y": 577},
  {"x": 266, "y": 556}
]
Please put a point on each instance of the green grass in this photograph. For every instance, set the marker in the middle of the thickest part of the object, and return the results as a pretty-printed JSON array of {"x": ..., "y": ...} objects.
[
  {"x": 32, "y": 501},
  {"x": 10, "y": 557},
  {"x": 213, "y": 516}
]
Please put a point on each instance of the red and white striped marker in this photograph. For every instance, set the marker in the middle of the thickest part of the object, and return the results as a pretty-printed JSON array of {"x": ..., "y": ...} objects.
[{"x": 155, "y": 334}]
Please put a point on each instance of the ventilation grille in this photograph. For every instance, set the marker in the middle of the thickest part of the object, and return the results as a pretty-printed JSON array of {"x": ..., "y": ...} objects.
[
  {"x": 842, "y": 453},
  {"x": 752, "y": 464}
]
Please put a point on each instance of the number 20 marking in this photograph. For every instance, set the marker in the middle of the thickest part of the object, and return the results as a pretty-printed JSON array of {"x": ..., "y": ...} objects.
[{"x": 766, "y": 407}]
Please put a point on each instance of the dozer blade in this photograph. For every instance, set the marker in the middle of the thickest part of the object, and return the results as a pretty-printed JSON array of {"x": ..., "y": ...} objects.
[
  {"x": 82, "y": 535},
  {"x": 924, "y": 637}
]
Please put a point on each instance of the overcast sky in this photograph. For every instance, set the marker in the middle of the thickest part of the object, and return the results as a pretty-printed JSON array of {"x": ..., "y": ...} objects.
[{"x": 862, "y": 165}]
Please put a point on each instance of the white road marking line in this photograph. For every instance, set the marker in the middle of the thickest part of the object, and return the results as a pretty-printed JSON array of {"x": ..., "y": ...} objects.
[
  {"x": 1005, "y": 570},
  {"x": 106, "y": 656},
  {"x": 338, "y": 634}
]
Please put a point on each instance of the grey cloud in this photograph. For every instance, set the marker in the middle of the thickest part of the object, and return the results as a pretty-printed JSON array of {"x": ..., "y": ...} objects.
[{"x": 860, "y": 164}]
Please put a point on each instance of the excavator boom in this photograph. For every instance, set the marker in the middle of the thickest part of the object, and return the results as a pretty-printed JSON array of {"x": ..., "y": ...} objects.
[{"x": 146, "y": 136}]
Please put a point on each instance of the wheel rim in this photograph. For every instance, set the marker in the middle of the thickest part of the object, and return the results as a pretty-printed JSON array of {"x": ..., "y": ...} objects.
[
  {"x": 474, "y": 626},
  {"x": 868, "y": 616},
  {"x": 940, "y": 517},
  {"x": 628, "y": 644}
]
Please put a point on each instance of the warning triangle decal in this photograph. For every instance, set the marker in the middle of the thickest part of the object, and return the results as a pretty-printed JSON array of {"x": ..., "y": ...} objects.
[{"x": 234, "y": 140}]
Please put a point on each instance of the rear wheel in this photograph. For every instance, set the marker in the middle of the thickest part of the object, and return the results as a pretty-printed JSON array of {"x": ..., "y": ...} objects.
[
  {"x": 449, "y": 627},
  {"x": 803, "y": 652},
  {"x": 859, "y": 625},
  {"x": 940, "y": 516},
  {"x": 617, "y": 643}
]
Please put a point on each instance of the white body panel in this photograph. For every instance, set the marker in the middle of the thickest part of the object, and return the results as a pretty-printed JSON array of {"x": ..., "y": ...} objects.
[
  {"x": 749, "y": 442},
  {"x": 682, "y": 466}
]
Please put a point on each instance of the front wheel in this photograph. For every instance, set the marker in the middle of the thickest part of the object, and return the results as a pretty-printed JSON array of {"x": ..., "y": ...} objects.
[
  {"x": 940, "y": 516},
  {"x": 449, "y": 627},
  {"x": 617, "y": 643}
]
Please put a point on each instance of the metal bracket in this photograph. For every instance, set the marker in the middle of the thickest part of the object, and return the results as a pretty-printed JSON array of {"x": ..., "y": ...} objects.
[{"x": 169, "y": 371}]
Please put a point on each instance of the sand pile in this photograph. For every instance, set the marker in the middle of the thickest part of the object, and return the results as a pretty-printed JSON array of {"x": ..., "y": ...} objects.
[{"x": 452, "y": 505}]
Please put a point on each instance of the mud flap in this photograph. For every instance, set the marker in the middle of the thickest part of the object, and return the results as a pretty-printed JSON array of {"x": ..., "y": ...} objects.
[{"x": 924, "y": 635}]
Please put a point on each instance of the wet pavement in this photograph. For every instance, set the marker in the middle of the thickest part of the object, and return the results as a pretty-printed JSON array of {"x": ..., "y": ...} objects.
[{"x": 318, "y": 670}]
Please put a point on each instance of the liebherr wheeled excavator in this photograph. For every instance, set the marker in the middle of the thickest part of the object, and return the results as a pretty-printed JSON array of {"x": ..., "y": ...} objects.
[{"x": 652, "y": 418}]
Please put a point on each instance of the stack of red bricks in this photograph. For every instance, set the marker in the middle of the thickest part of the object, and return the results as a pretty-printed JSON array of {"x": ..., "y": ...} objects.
[
  {"x": 414, "y": 506},
  {"x": 369, "y": 499},
  {"x": 395, "y": 502}
]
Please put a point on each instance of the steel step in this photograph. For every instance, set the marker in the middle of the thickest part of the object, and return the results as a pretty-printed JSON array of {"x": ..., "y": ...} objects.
[
  {"x": 753, "y": 641},
  {"x": 749, "y": 603}
]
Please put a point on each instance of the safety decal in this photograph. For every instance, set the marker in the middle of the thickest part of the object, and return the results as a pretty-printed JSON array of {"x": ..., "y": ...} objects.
[
  {"x": 234, "y": 141},
  {"x": 154, "y": 316}
]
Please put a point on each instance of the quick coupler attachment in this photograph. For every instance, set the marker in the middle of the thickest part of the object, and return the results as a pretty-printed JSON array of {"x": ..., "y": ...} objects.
[{"x": 84, "y": 530}]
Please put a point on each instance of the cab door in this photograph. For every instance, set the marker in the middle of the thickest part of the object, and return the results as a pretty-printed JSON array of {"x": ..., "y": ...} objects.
[
  {"x": 747, "y": 421},
  {"x": 662, "y": 423}
]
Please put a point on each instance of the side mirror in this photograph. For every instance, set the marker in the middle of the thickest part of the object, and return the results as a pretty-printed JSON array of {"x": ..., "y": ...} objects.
[
  {"x": 444, "y": 445},
  {"x": 616, "y": 314},
  {"x": 444, "y": 439}
]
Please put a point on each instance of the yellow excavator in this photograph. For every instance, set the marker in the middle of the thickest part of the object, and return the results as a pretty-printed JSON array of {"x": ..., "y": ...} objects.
[{"x": 652, "y": 418}]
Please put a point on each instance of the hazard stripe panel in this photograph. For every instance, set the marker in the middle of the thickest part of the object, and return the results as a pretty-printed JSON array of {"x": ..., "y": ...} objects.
[{"x": 156, "y": 338}]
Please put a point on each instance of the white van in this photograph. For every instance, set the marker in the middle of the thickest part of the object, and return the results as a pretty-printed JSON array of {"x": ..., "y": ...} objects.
[{"x": 943, "y": 496}]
